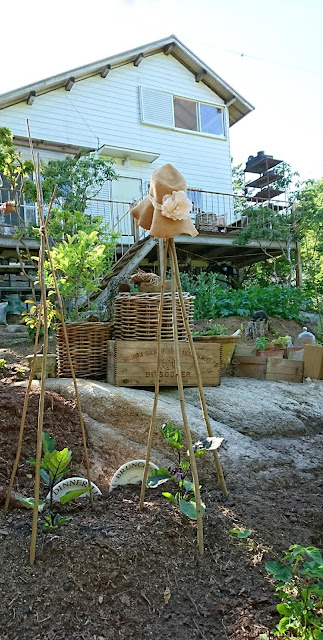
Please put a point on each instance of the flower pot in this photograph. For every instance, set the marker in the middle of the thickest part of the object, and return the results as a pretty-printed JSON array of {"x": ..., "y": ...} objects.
[
  {"x": 50, "y": 365},
  {"x": 271, "y": 353},
  {"x": 228, "y": 345}
]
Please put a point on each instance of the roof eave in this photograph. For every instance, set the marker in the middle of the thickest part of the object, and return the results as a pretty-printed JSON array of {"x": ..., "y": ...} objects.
[{"x": 240, "y": 106}]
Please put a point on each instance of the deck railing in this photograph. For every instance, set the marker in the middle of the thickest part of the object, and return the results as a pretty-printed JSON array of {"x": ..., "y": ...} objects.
[{"x": 228, "y": 207}]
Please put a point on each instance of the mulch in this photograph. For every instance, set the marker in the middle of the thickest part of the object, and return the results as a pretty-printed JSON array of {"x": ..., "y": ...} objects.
[{"x": 121, "y": 574}]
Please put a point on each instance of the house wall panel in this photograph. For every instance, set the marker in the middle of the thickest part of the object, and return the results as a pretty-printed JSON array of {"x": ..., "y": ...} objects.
[{"x": 100, "y": 111}]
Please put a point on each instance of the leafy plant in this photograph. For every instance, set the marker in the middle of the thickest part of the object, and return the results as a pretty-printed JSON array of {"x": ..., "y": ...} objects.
[
  {"x": 30, "y": 317},
  {"x": 299, "y": 578},
  {"x": 80, "y": 262},
  {"x": 212, "y": 330},
  {"x": 213, "y": 300},
  {"x": 184, "y": 497},
  {"x": 241, "y": 533},
  {"x": 2, "y": 363},
  {"x": 261, "y": 343},
  {"x": 53, "y": 466},
  {"x": 77, "y": 179},
  {"x": 281, "y": 341}
]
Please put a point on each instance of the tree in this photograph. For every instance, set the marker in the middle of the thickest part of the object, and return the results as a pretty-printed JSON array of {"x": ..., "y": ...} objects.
[
  {"x": 77, "y": 180},
  {"x": 13, "y": 167},
  {"x": 79, "y": 263}
]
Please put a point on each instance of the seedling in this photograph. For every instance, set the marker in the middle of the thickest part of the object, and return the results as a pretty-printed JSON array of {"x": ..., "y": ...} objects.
[
  {"x": 241, "y": 533},
  {"x": 299, "y": 579},
  {"x": 261, "y": 343},
  {"x": 184, "y": 497},
  {"x": 53, "y": 466},
  {"x": 2, "y": 363}
]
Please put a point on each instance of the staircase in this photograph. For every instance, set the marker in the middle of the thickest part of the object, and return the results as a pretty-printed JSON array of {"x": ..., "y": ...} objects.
[{"x": 128, "y": 262}]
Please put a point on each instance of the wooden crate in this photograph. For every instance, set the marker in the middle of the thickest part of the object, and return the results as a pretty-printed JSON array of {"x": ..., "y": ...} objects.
[
  {"x": 249, "y": 367},
  {"x": 284, "y": 370},
  {"x": 313, "y": 361},
  {"x": 133, "y": 364}
]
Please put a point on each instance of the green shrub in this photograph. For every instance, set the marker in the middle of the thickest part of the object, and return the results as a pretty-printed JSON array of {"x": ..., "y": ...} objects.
[{"x": 213, "y": 300}]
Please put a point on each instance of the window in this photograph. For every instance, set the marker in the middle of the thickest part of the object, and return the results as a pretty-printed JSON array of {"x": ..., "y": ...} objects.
[
  {"x": 162, "y": 109},
  {"x": 211, "y": 119},
  {"x": 185, "y": 113}
]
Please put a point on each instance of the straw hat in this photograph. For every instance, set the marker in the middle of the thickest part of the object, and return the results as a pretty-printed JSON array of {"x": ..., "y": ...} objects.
[{"x": 166, "y": 211}]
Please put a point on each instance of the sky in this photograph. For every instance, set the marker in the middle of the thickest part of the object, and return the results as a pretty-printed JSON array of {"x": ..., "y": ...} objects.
[{"x": 270, "y": 52}]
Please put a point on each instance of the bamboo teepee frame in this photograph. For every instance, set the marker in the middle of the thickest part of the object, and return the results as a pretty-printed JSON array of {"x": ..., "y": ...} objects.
[
  {"x": 170, "y": 251},
  {"x": 42, "y": 319}
]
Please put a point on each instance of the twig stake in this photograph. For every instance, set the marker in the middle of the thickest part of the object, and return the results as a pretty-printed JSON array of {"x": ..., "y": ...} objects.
[
  {"x": 23, "y": 417},
  {"x": 183, "y": 408},
  {"x": 154, "y": 413},
  {"x": 196, "y": 366}
]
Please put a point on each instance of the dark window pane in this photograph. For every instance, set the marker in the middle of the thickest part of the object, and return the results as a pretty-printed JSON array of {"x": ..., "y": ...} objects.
[
  {"x": 185, "y": 112},
  {"x": 211, "y": 119}
]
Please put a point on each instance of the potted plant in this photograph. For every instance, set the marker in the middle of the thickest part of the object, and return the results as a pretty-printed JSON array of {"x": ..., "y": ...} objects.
[
  {"x": 217, "y": 333},
  {"x": 261, "y": 346}
]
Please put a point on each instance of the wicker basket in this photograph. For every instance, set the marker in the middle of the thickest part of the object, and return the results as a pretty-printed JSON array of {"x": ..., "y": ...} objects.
[
  {"x": 136, "y": 316},
  {"x": 210, "y": 222},
  {"x": 88, "y": 344}
]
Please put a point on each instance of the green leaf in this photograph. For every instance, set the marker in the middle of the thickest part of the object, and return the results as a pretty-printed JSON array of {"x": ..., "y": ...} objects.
[
  {"x": 185, "y": 465},
  {"x": 315, "y": 554},
  {"x": 206, "y": 444},
  {"x": 284, "y": 609},
  {"x": 279, "y": 571},
  {"x": 44, "y": 475},
  {"x": 157, "y": 477},
  {"x": 188, "y": 485},
  {"x": 172, "y": 435},
  {"x": 169, "y": 496},
  {"x": 263, "y": 636},
  {"x": 29, "y": 502},
  {"x": 317, "y": 589},
  {"x": 48, "y": 443},
  {"x": 71, "y": 495},
  {"x": 241, "y": 533},
  {"x": 57, "y": 461},
  {"x": 188, "y": 508}
]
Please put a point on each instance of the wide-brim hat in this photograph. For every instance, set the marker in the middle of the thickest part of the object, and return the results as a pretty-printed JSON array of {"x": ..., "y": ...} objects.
[{"x": 166, "y": 211}]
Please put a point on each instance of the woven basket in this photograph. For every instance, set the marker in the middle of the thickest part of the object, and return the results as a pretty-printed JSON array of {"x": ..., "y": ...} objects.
[
  {"x": 136, "y": 316},
  {"x": 88, "y": 344},
  {"x": 210, "y": 222}
]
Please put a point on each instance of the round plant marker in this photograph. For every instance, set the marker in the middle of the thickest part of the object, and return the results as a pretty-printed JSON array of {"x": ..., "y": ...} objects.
[{"x": 130, "y": 473}]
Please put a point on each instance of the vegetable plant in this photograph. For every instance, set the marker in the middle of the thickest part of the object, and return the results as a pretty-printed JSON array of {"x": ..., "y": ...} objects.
[
  {"x": 184, "y": 496},
  {"x": 212, "y": 330},
  {"x": 53, "y": 466},
  {"x": 299, "y": 578},
  {"x": 261, "y": 343},
  {"x": 30, "y": 317}
]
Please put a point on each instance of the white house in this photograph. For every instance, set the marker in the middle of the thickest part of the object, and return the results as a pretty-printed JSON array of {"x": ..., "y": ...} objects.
[{"x": 146, "y": 107}]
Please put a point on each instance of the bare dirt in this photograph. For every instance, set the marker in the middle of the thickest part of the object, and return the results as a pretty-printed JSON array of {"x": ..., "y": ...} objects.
[{"x": 123, "y": 574}]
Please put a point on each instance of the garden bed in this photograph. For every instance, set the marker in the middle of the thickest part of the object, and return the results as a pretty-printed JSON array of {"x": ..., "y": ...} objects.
[{"x": 107, "y": 573}]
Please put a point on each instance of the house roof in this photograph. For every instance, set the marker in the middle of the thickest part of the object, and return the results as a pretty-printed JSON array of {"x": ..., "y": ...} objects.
[{"x": 238, "y": 106}]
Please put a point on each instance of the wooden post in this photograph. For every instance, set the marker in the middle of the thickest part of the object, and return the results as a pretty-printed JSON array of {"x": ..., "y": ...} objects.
[
  {"x": 299, "y": 273},
  {"x": 175, "y": 270},
  {"x": 154, "y": 413},
  {"x": 183, "y": 408}
]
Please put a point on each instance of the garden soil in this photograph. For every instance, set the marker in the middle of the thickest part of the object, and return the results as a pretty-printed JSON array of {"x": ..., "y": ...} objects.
[{"x": 121, "y": 574}]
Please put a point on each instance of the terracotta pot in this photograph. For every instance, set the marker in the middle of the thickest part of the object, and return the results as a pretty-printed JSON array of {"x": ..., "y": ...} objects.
[
  {"x": 228, "y": 346},
  {"x": 271, "y": 353}
]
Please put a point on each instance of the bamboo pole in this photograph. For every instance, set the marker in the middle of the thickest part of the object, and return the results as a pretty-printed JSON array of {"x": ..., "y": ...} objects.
[
  {"x": 23, "y": 417},
  {"x": 68, "y": 351},
  {"x": 183, "y": 408},
  {"x": 60, "y": 304},
  {"x": 154, "y": 413},
  {"x": 196, "y": 366},
  {"x": 42, "y": 393}
]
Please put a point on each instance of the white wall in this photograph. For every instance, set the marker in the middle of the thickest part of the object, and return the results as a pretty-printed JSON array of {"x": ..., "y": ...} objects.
[{"x": 100, "y": 111}]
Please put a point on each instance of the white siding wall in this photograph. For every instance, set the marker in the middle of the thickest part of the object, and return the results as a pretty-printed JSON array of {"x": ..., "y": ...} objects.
[{"x": 101, "y": 111}]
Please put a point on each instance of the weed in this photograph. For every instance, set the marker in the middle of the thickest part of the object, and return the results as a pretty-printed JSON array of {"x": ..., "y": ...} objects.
[{"x": 299, "y": 579}]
